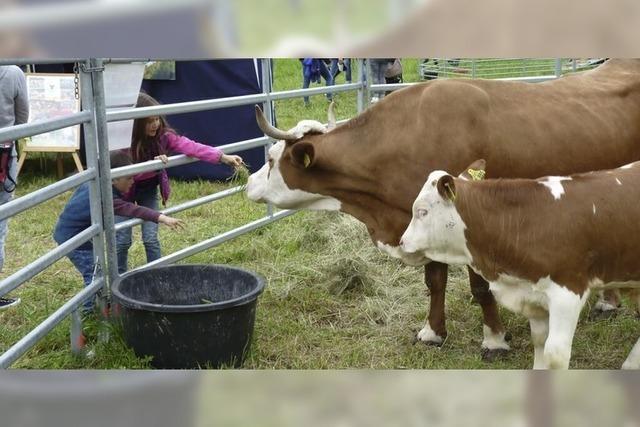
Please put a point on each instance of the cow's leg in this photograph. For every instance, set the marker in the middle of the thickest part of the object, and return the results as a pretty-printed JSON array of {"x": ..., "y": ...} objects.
[
  {"x": 435, "y": 277},
  {"x": 494, "y": 344},
  {"x": 564, "y": 310},
  {"x": 539, "y": 333},
  {"x": 633, "y": 359}
]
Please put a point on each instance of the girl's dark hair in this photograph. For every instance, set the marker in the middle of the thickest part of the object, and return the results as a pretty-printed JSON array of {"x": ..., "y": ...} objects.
[{"x": 144, "y": 148}]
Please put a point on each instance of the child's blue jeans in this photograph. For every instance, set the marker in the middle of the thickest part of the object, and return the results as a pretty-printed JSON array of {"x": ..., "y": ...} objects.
[
  {"x": 147, "y": 197},
  {"x": 83, "y": 261}
]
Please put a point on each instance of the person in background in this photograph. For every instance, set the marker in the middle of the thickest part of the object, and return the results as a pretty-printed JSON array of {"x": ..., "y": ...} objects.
[
  {"x": 341, "y": 64},
  {"x": 312, "y": 70},
  {"x": 153, "y": 139},
  {"x": 379, "y": 67},
  {"x": 14, "y": 110},
  {"x": 76, "y": 217},
  {"x": 393, "y": 75}
]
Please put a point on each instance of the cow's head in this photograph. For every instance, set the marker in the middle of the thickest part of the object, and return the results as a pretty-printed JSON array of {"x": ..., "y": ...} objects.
[
  {"x": 290, "y": 159},
  {"x": 436, "y": 229}
]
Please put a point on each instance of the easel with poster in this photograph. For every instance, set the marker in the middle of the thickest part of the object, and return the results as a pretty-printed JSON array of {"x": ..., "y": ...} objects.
[{"x": 52, "y": 96}]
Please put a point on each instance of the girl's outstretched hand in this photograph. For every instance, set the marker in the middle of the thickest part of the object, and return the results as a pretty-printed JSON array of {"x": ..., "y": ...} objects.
[
  {"x": 231, "y": 160},
  {"x": 172, "y": 223},
  {"x": 163, "y": 158}
]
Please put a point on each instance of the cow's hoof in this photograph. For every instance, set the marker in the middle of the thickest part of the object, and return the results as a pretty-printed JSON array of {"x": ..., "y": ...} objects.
[
  {"x": 427, "y": 336},
  {"x": 416, "y": 340},
  {"x": 597, "y": 314},
  {"x": 489, "y": 355},
  {"x": 437, "y": 344}
]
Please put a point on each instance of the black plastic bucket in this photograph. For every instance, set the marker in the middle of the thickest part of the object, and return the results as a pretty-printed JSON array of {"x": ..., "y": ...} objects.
[{"x": 189, "y": 316}]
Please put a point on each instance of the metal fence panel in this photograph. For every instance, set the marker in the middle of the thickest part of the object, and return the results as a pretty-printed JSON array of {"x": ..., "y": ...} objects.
[{"x": 496, "y": 68}]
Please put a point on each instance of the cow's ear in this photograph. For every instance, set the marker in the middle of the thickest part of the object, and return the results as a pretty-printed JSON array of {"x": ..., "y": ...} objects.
[
  {"x": 475, "y": 171},
  {"x": 447, "y": 187},
  {"x": 303, "y": 154}
]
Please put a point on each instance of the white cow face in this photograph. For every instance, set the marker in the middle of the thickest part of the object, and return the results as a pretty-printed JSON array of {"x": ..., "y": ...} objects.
[
  {"x": 436, "y": 229},
  {"x": 269, "y": 186}
]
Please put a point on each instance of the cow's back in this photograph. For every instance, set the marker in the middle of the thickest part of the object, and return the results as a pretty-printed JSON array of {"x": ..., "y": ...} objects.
[
  {"x": 577, "y": 123},
  {"x": 518, "y": 227}
]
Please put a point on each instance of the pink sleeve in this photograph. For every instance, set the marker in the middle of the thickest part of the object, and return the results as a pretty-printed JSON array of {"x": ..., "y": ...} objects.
[{"x": 183, "y": 145}]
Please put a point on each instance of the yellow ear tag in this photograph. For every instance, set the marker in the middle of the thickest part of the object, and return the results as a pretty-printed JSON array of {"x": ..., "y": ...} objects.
[
  {"x": 476, "y": 175},
  {"x": 307, "y": 160}
]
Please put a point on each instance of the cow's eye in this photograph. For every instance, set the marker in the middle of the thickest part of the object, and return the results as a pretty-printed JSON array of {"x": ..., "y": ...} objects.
[{"x": 421, "y": 213}]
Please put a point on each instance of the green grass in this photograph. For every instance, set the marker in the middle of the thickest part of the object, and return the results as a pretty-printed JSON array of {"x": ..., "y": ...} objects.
[{"x": 332, "y": 299}]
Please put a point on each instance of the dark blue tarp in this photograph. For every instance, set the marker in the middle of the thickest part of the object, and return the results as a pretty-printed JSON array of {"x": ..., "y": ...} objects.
[{"x": 198, "y": 80}]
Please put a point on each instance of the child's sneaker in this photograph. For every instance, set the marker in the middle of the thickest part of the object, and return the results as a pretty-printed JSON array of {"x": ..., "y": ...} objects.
[{"x": 8, "y": 302}]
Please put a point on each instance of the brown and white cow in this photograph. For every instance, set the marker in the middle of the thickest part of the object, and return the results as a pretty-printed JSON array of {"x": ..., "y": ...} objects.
[
  {"x": 372, "y": 167},
  {"x": 542, "y": 244}
]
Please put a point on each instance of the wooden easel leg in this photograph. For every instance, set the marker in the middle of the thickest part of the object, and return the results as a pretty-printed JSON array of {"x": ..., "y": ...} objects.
[
  {"x": 60, "y": 165},
  {"x": 76, "y": 159},
  {"x": 23, "y": 156}
]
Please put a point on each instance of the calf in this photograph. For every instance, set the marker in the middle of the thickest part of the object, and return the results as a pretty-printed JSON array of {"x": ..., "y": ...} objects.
[{"x": 542, "y": 244}]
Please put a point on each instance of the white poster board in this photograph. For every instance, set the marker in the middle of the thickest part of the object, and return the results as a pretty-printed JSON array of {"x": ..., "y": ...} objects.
[
  {"x": 56, "y": 95},
  {"x": 122, "y": 84},
  {"x": 52, "y": 96}
]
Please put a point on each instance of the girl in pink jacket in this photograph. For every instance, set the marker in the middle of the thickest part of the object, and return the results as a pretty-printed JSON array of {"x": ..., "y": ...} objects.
[{"x": 153, "y": 139}]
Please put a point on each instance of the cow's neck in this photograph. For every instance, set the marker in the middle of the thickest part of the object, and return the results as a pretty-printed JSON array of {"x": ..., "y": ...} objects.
[
  {"x": 385, "y": 223},
  {"x": 363, "y": 174}
]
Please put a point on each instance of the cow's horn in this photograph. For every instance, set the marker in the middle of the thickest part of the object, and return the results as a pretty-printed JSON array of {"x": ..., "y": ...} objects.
[
  {"x": 332, "y": 117},
  {"x": 269, "y": 129}
]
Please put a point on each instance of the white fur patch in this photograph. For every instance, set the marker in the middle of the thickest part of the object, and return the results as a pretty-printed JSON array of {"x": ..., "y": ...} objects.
[
  {"x": 268, "y": 186},
  {"x": 594, "y": 208},
  {"x": 305, "y": 126},
  {"x": 520, "y": 296},
  {"x": 493, "y": 341},
  {"x": 439, "y": 234},
  {"x": 633, "y": 359},
  {"x": 539, "y": 301},
  {"x": 554, "y": 184},
  {"x": 618, "y": 181},
  {"x": 426, "y": 334},
  {"x": 539, "y": 331},
  {"x": 628, "y": 166},
  {"x": 564, "y": 311}
]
